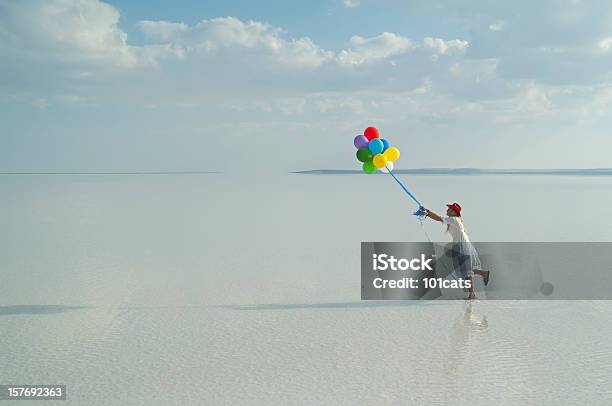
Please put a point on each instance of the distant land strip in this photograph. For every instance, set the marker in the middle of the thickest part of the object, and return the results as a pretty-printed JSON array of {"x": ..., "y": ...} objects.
[
  {"x": 469, "y": 171},
  {"x": 114, "y": 173}
]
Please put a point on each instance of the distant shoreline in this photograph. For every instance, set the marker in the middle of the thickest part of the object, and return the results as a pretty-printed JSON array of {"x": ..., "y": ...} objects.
[
  {"x": 470, "y": 171},
  {"x": 114, "y": 173}
]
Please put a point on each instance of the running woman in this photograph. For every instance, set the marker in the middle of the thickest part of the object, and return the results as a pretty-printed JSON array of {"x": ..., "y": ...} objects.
[{"x": 462, "y": 248}]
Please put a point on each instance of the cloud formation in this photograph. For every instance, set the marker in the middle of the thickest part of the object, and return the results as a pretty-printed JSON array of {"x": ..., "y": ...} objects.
[
  {"x": 520, "y": 62},
  {"x": 549, "y": 41},
  {"x": 69, "y": 32},
  {"x": 80, "y": 46},
  {"x": 79, "y": 41}
]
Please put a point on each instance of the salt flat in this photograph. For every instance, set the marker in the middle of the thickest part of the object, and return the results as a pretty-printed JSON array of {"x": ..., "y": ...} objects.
[{"x": 235, "y": 289}]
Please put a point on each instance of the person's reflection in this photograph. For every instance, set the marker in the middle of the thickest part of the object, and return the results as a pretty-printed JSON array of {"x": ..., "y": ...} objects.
[{"x": 468, "y": 325}]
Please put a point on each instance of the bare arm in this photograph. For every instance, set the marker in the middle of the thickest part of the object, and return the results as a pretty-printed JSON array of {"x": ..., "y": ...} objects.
[{"x": 432, "y": 215}]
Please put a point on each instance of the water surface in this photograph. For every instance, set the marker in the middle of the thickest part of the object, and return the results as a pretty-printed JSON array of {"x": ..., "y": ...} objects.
[{"x": 229, "y": 289}]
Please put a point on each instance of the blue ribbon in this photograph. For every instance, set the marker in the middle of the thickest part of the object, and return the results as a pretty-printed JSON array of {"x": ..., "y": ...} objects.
[
  {"x": 420, "y": 213},
  {"x": 404, "y": 187}
]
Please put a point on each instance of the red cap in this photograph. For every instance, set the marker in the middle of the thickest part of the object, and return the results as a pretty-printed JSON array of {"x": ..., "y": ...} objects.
[{"x": 456, "y": 207}]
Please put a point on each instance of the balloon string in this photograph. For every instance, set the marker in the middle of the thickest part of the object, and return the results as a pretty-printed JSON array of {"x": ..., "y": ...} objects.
[{"x": 403, "y": 187}]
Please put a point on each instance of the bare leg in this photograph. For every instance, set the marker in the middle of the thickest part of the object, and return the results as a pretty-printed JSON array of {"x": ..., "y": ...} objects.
[
  {"x": 472, "y": 295},
  {"x": 483, "y": 274},
  {"x": 485, "y": 277}
]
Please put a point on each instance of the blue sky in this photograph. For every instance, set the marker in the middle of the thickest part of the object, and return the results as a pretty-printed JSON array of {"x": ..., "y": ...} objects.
[{"x": 280, "y": 86}]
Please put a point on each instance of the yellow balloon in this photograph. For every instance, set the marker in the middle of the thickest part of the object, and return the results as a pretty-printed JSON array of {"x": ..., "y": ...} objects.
[
  {"x": 392, "y": 154},
  {"x": 379, "y": 160}
]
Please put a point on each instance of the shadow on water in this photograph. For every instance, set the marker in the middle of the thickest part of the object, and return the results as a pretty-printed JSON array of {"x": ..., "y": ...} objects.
[
  {"x": 366, "y": 304},
  {"x": 37, "y": 309}
]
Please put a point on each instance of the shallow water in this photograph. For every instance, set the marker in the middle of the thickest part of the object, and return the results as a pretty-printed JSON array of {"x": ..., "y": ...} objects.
[{"x": 225, "y": 289}]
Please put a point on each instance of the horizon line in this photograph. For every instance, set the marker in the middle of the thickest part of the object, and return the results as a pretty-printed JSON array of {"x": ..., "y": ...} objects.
[
  {"x": 422, "y": 171},
  {"x": 469, "y": 171},
  {"x": 112, "y": 173}
]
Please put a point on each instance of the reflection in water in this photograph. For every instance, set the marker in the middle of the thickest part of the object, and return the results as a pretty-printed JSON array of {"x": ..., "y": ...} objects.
[{"x": 468, "y": 325}]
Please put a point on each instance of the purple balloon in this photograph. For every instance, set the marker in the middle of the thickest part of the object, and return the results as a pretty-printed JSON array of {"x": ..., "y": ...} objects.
[{"x": 361, "y": 141}]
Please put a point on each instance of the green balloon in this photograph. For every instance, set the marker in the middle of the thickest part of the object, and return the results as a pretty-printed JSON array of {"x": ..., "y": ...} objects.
[
  {"x": 368, "y": 167},
  {"x": 363, "y": 155}
]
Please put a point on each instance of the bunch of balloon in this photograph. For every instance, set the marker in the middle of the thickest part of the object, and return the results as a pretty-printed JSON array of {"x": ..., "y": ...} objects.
[{"x": 375, "y": 152}]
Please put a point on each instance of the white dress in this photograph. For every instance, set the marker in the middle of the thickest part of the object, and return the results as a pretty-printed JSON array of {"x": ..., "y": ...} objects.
[{"x": 464, "y": 255}]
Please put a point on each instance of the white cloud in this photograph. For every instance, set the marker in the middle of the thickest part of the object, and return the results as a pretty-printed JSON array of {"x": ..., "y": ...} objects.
[
  {"x": 229, "y": 66},
  {"x": 78, "y": 31},
  {"x": 69, "y": 31},
  {"x": 350, "y": 3},
  {"x": 162, "y": 30},
  {"x": 79, "y": 41},
  {"x": 231, "y": 62},
  {"x": 228, "y": 33},
  {"x": 548, "y": 41},
  {"x": 533, "y": 100},
  {"x": 440, "y": 46},
  {"x": 605, "y": 44},
  {"x": 382, "y": 46},
  {"x": 497, "y": 26}
]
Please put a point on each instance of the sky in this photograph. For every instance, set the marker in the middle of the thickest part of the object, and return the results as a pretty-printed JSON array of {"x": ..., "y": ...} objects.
[{"x": 279, "y": 86}]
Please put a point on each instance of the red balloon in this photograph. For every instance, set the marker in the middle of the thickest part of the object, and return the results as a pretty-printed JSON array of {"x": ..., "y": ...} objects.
[{"x": 371, "y": 133}]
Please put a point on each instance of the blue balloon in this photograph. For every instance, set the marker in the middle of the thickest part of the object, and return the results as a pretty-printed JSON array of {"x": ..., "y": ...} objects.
[
  {"x": 376, "y": 146},
  {"x": 385, "y": 144}
]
